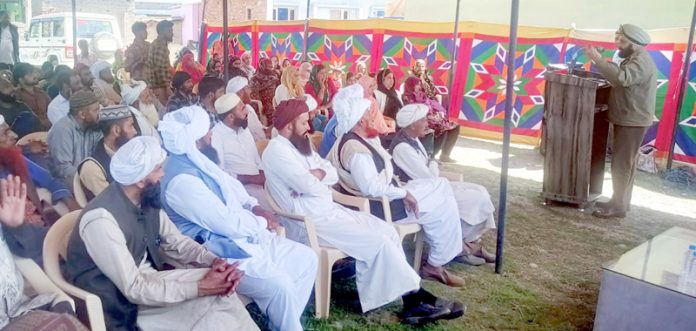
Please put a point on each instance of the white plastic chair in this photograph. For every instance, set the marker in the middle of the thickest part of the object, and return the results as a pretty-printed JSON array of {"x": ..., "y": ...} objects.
[
  {"x": 327, "y": 255},
  {"x": 34, "y": 136},
  {"x": 55, "y": 247},
  {"x": 39, "y": 281},
  {"x": 78, "y": 191},
  {"x": 402, "y": 229}
]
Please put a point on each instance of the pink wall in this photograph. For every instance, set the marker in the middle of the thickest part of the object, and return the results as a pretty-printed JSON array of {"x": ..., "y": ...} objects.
[{"x": 191, "y": 24}]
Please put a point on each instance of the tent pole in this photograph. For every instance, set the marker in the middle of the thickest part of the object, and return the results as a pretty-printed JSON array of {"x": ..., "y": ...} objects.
[
  {"x": 74, "y": 32},
  {"x": 683, "y": 85},
  {"x": 225, "y": 40},
  {"x": 306, "y": 34},
  {"x": 454, "y": 51},
  {"x": 509, "y": 93}
]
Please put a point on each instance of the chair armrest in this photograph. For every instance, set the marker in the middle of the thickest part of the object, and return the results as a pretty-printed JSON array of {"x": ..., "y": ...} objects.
[
  {"x": 452, "y": 176},
  {"x": 363, "y": 204},
  {"x": 39, "y": 281}
]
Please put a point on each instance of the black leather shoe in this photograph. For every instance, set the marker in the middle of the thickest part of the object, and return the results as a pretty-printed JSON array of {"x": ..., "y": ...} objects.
[
  {"x": 609, "y": 213},
  {"x": 457, "y": 309},
  {"x": 424, "y": 314}
]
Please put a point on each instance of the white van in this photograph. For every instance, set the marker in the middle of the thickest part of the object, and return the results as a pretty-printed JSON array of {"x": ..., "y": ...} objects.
[{"x": 52, "y": 34}]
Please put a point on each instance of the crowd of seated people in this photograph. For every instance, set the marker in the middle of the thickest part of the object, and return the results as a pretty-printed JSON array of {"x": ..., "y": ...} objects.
[{"x": 177, "y": 164}]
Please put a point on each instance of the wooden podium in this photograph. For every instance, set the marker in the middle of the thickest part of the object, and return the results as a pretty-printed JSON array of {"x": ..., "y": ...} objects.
[{"x": 574, "y": 137}]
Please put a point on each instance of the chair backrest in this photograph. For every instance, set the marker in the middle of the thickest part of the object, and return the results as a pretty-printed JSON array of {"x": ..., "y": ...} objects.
[
  {"x": 261, "y": 146},
  {"x": 34, "y": 136},
  {"x": 316, "y": 138},
  {"x": 78, "y": 191}
]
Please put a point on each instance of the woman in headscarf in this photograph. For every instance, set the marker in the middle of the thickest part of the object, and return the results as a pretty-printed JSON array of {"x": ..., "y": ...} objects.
[
  {"x": 180, "y": 58},
  {"x": 386, "y": 94},
  {"x": 290, "y": 87},
  {"x": 286, "y": 63},
  {"x": 318, "y": 87},
  {"x": 234, "y": 68},
  {"x": 263, "y": 85},
  {"x": 247, "y": 67},
  {"x": 420, "y": 89},
  {"x": 276, "y": 66},
  {"x": 191, "y": 67},
  {"x": 360, "y": 70},
  {"x": 305, "y": 73},
  {"x": 378, "y": 121},
  {"x": 214, "y": 69}
]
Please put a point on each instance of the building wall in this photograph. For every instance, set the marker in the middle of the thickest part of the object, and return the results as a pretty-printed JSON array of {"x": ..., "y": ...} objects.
[
  {"x": 321, "y": 9},
  {"x": 585, "y": 14},
  {"x": 191, "y": 23},
  {"x": 236, "y": 10}
]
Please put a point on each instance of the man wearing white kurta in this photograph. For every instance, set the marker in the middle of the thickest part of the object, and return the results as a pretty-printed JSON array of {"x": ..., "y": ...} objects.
[
  {"x": 118, "y": 246},
  {"x": 365, "y": 169},
  {"x": 236, "y": 148},
  {"x": 240, "y": 86},
  {"x": 211, "y": 206},
  {"x": 411, "y": 162}
]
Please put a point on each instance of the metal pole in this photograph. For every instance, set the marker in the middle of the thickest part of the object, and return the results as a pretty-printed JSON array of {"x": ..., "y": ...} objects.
[
  {"x": 683, "y": 86},
  {"x": 225, "y": 40},
  {"x": 305, "y": 44},
  {"x": 74, "y": 32},
  {"x": 512, "y": 49},
  {"x": 454, "y": 50}
]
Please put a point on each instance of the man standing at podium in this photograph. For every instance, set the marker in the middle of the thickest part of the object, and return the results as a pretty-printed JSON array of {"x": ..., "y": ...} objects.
[{"x": 631, "y": 111}]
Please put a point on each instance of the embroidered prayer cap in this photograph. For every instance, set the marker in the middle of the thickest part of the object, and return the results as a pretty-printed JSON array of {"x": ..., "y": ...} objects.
[
  {"x": 287, "y": 111},
  {"x": 136, "y": 159},
  {"x": 311, "y": 103},
  {"x": 82, "y": 99},
  {"x": 236, "y": 84},
  {"x": 131, "y": 92},
  {"x": 116, "y": 112},
  {"x": 98, "y": 67},
  {"x": 348, "y": 113},
  {"x": 226, "y": 103},
  {"x": 411, "y": 113},
  {"x": 634, "y": 34}
]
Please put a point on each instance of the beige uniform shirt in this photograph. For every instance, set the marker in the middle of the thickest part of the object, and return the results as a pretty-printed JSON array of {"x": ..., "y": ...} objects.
[
  {"x": 92, "y": 175},
  {"x": 634, "y": 89}
]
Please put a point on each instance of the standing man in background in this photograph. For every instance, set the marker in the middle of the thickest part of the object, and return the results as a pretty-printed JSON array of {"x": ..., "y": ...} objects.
[
  {"x": 137, "y": 52},
  {"x": 9, "y": 40},
  {"x": 631, "y": 111},
  {"x": 158, "y": 61}
]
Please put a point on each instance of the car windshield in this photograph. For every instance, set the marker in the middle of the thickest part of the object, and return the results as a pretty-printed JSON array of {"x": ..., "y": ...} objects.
[{"x": 88, "y": 28}]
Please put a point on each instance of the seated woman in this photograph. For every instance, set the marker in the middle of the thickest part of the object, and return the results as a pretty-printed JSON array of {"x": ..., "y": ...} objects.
[
  {"x": 388, "y": 98},
  {"x": 385, "y": 127},
  {"x": 263, "y": 85},
  {"x": 318, "y": 87},
  {"x": 419, "y": 88},
  {"x": 290, "y": 87}
]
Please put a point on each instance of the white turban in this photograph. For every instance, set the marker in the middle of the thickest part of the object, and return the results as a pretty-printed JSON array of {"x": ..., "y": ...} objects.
[
  {"x": 131, "y": 92},
  {"x": 136, "y": 160},
  {"x": 2, "y": 119},
  {"x": 410, "y": 114},
  {"x": 348, "y": 113},
  {"x": 98, "y": 67},
  {"x": 351, "y": 91},
  {"x": 311, "y": 103},
  {"x": 236, "y": 84},
  {"x": 180, "y": 130}
]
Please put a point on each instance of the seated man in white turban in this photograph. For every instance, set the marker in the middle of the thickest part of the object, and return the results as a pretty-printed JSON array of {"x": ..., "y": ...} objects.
[
  {"x": 365, "y": 169},
  {"x": 212, "y": 207},
  {"x": 118, "y": 248},
  {"x": 104, "y": 84},
  {"x": 411, "y": 162},
  {"x": 299, "y": 180},
  {"x": 235, "y": 146},
  {"x": 240, "y": 86},
  {"x": 141, "y": 98}
]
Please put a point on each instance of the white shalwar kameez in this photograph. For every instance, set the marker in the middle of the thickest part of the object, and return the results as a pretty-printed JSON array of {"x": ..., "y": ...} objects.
[
  {"x": 383, "y": 274},
  {"x": 280, "y": 273},
  {"x": 475, "y": 206},
  {"x": 438, "y": 213}
]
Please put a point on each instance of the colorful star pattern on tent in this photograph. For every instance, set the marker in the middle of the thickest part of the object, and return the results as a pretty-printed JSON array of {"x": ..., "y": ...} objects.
[
  {"x": 239, "y": 43},
  {"x": 339, "y": 51},
  {"x": 401, "y": 52},
  {"x": 484, "y": 95},
  {"x": 285, "y": 45},
  {"x": 685, "y": 147}
]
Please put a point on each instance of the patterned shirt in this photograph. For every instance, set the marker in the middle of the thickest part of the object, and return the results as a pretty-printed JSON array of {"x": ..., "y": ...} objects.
[
  {"x": 180, "y": 100},
  {"x": 135, "y": 54},
  {"x": 158, "y": 62}
]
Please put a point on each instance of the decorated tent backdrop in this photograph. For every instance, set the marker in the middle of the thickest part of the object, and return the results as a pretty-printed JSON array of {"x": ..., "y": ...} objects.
[{"x": 478, "y": 89}]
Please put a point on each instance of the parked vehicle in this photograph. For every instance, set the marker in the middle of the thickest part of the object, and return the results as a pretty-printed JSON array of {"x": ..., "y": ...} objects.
[{"x": 52, "y": 34}]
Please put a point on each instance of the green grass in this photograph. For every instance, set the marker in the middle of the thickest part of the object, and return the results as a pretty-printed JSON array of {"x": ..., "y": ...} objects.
[{"x": 553, "y": 257}]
